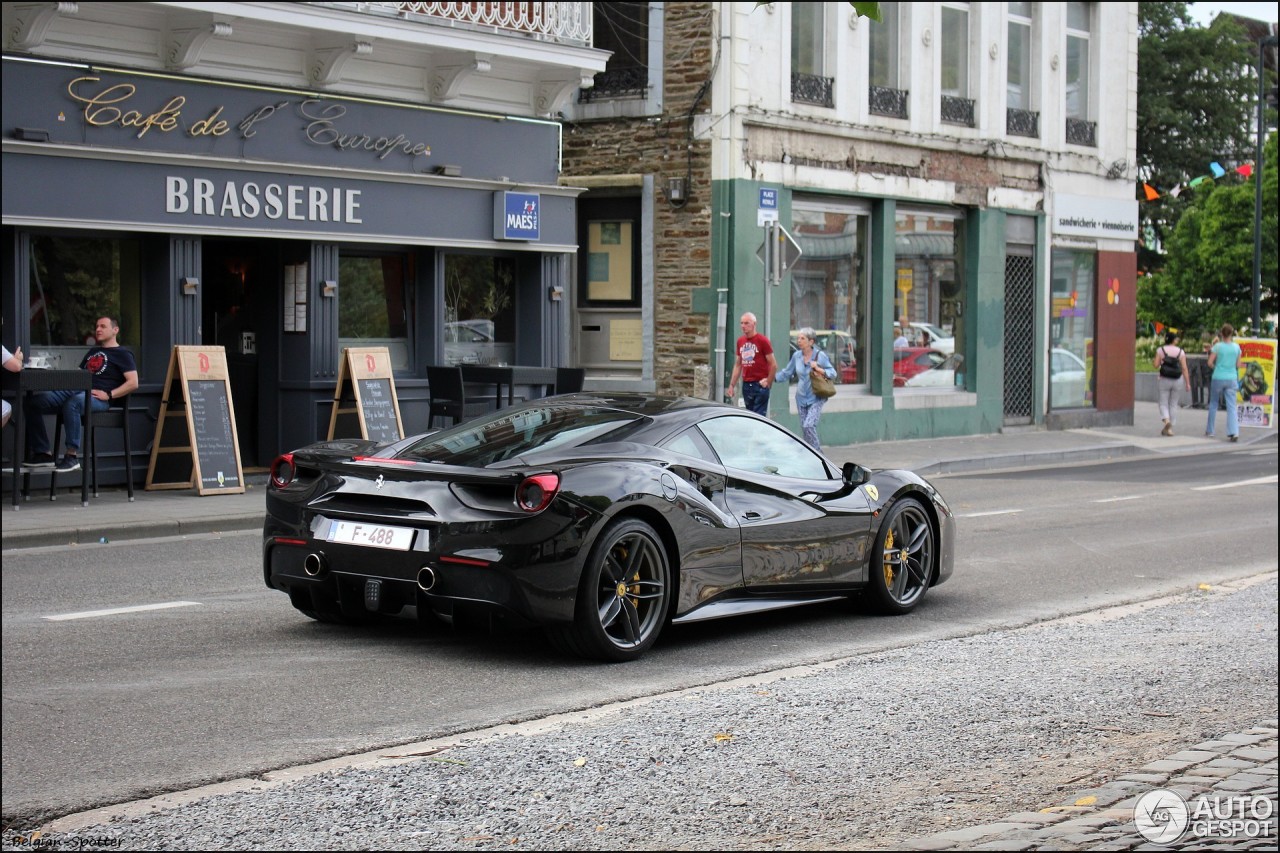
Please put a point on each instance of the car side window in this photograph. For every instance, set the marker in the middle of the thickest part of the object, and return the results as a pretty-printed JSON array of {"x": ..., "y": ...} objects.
[
  {"x": 753, "y": 445},
  {"x": 691, "y": 443}
]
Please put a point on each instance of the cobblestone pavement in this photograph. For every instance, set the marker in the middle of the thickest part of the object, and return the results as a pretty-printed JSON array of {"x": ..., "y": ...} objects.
[{"x": 1228, "y": 785}]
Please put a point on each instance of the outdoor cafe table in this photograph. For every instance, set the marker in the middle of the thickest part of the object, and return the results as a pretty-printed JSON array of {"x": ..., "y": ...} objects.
[
  {"x": 509, "y": 376},
  {"x": 30, "y": 380}
]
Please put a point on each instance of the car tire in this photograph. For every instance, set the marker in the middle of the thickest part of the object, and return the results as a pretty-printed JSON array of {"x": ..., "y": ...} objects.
[
  {"x": 623, "y": 596},
  {"x": 902, "y": 561}
]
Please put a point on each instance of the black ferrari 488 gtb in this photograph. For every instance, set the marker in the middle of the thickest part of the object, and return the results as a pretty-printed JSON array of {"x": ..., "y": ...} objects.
[{"x": 601, "y": 518}]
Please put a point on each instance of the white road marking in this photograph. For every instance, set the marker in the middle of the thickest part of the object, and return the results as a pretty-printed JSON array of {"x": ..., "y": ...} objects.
[
  {"x": 992, "y": 512},
  {"x": 1117, "y": 500},
  {"x": 1254, "y": 482},
  {"x": 93, "y": 614}
]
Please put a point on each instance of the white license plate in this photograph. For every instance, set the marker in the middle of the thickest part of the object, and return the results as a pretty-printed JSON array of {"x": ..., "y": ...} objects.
[{"x": 371, "y": 535}]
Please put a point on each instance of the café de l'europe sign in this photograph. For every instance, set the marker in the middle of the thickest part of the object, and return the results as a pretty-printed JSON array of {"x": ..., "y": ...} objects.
[{"x": 193, "y": 116}]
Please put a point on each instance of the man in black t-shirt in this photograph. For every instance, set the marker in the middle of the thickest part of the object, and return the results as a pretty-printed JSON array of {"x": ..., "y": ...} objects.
[{"x": 115, "y": 374}]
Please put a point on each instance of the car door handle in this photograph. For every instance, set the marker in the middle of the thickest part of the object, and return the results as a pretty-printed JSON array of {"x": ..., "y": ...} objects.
[{"x": 751, "y": 515}]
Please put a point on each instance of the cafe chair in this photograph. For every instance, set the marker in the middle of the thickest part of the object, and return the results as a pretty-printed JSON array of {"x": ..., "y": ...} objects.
[
  {"x": 448, "y": 394},
  {"x": 116, "y": 417},
  {"x": 569, "y": 379}
]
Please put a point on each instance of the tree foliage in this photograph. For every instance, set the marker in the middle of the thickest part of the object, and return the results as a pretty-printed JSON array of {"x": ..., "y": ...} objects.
[
  {"x": 1208, "y": 278},
  {"x": 1195, "y": 100}
]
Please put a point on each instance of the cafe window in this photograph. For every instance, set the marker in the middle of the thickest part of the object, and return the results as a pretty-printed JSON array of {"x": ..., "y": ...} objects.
[
  {"x": 1071, "y": 324},
  {"x": 373, "y": 304},
  {"x": 480, "y": 313},
  {"x": 829, "y": 283},
  {"x": 76, "y": 280},
  {"x": 929, "y": 291}
]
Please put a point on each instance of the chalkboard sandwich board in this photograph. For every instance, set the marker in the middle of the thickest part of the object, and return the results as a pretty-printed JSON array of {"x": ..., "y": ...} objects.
[
  {"x": 365, "y": 403},
  {"x": 196, "y": 443}
]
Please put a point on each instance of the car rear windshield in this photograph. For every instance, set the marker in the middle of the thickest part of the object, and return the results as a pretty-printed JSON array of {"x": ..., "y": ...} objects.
[{"x": 504, "y": 436}]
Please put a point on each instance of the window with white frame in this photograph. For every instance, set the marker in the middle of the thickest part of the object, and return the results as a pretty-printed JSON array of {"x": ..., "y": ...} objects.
[
  {"x": 886, "y": 96},
  {"x": 1022, "y": 119},
  {"x": 809, "y": 81},
  {"x": 1080, "y": 128},
  {"x": 957, "y": 106}
]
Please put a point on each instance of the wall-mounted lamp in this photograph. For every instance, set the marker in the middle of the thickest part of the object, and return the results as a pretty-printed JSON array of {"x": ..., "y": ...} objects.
[
  {"x": 329, "y": 289},
  {"x": 678, "y": 191},
  {"x": 555, "y": 294},
  {"x": 449, "y": 171},
  {"x": 31, "y": 134},
  {"x": 190, "y": 285}
]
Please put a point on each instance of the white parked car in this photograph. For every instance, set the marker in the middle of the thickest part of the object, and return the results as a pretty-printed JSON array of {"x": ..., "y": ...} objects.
[
  {"x": 935, "y": 338},
  {"x": 943, "y": 375},
  {"x": 1067, "y": 385}
]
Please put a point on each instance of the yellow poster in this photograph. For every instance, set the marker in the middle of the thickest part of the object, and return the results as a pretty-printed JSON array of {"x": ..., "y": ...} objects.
[
  {"x": 1256, "y": 398},
  {"x": 609, "y": 261}
]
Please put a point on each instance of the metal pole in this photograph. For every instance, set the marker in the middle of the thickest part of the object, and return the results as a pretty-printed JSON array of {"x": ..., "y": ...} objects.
[{"x": 1263, "y": 44}]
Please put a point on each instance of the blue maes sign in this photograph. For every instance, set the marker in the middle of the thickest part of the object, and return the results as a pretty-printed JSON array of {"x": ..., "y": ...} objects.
[{"x": 516, "y": 216}]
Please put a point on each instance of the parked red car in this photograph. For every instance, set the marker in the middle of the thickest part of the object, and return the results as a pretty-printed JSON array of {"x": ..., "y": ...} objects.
[{"x": 908, "y": 361}]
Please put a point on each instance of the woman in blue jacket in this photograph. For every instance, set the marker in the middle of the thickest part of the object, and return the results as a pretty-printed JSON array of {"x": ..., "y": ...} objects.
[{"x": 804, "y": 361}]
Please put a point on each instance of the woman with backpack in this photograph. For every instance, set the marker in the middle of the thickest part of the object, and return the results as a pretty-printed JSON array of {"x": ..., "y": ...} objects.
[
  {"x": 1171, "y": 361},
  {"x": 1224, "y": 358}
]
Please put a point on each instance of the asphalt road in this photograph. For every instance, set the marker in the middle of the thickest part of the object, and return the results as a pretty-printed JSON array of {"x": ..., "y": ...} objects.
[{"x": 108, "y": 708}]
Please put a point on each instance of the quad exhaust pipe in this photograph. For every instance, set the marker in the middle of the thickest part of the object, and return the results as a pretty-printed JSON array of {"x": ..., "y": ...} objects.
[
  {"x": 316, "y": 565},
  {"x": 426, "y": 578}
]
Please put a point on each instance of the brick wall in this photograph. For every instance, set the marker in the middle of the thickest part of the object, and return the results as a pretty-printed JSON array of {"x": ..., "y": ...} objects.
[{"x": 660, "y": 146}]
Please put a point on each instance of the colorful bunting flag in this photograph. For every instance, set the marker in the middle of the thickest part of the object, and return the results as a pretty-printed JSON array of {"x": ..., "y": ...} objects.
[{"x": 1151, "y": 193}]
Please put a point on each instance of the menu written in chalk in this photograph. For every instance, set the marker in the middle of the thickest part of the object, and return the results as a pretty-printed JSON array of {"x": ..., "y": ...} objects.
[
  {"x": 215, "y": 441},
  {"x": 378, "y": 406},
  {"x": 364, "y": 400},
  {"x": 195, "y": 442}
]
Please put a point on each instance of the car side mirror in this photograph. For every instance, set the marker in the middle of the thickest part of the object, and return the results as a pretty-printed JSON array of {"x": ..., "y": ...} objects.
[{"x": 855, "y": 475}]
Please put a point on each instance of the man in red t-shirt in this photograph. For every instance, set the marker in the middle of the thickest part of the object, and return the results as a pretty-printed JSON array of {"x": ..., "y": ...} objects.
[{"x": 755, "y": 363}]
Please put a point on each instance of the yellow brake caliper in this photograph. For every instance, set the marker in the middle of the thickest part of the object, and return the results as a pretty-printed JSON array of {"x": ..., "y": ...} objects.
[{"x": 888, "y": 549}]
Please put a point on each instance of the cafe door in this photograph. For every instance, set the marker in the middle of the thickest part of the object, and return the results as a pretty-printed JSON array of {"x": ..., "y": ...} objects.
[{"x": 240, "y": 289}]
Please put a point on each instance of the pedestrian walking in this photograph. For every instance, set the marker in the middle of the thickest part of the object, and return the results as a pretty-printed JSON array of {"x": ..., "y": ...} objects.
[
  {"x": 755, "y": 363},
  {"x": 804, "y": 362},
  {"x": 1224, "y": 359},
  {"x": 1171, "y": 361}
]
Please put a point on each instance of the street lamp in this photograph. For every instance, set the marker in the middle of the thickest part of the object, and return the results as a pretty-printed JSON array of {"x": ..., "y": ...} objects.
[{"x": 1269, "y": 41}]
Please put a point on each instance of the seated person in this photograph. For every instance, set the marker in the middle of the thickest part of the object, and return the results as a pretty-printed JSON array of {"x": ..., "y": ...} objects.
[{"x": 115, "y": 374}]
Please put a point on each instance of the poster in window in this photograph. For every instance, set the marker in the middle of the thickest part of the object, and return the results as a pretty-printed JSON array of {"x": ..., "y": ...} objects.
[
  {"x": 609, "y": 261},
  {"x": 295, "y": 298}
]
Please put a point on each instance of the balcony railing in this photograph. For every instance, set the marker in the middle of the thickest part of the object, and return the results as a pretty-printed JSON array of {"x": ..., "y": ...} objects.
[
  {"x": 812, "y": 89},
  {"x": 559, "y": 22},
  {"x": 619, "y": 83},
  {"x": 1081, "y": 132},
  {"x": 883, "y": 101},
  {"x": 1022, "y": 122},
  {"x": 957, "y": 110}
]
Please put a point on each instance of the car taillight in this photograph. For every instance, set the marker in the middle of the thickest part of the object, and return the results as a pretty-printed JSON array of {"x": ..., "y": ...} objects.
[
  {"x": 536, "y": 492},
  {"x": 282, "y": 471}
]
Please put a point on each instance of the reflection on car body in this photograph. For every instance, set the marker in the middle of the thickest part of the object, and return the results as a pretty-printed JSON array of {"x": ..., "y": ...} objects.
[{"x": 600, "y": 518}]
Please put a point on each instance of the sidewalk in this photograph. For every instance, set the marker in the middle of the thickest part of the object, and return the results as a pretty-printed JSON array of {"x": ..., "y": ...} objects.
[{"x": 40, "y": 522}]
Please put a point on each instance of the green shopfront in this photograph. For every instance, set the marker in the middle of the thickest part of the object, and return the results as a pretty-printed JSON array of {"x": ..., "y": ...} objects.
[{"x": 1010, "y": 317}]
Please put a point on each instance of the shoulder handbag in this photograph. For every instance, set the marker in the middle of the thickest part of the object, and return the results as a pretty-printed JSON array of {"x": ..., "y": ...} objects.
[{"x": 822, "y": 385}]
